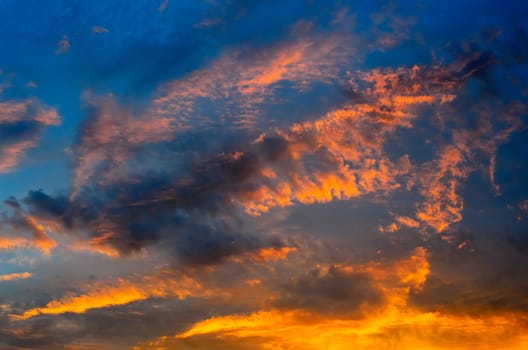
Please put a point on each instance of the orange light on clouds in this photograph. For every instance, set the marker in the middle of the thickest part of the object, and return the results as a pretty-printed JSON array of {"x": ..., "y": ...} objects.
[
  {"x": 273, "y": 254},
  {"x": 9, "y": 243},
  {"x": 121, "y": 292},
  {"x": 41, "y": 240},
  {"x": 15, "y": 276},
  {"x": 269, "y": 254},
  {"x": 395, "y": 325},
  {"x": 402, "y": 329},
  {"x": 98, "y": 245}
]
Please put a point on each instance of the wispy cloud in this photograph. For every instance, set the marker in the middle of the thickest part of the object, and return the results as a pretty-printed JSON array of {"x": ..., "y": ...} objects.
[
  {"x": 163, "y": 5},
  {"x": 120, "y": 292},
  {"x": 63, "y": 45},
  {"x": 21, "y": 124},
  {"x": 15, "y": 276},
  {"x": 99, "y": 29}
]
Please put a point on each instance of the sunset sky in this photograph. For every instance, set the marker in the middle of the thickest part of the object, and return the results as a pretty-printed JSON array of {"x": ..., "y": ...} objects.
[{"x": 263, "y": 175}]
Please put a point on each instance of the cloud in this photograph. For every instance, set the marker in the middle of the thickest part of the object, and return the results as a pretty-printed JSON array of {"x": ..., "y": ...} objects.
[
  {"x": 63, "y": 45},
  {"x": 10, "y": 243},
  {"x": 330, "y": 297},
  {"x": 479, "y": 273},
  {"x": 443, "y": 204},
  {"x": 145, "y": 212},
  {"x": 163, "y": 5},
  {"x": 341, "y": 155},
  {"x": 19, "y": 224},
  {"x": 205, "y": 246},
  {"x": 279, "y": 137},
  {"x": 120, "y": 292},
  {"x": 99, "y": 29},
  {"x": 523, "y": 207},
  {"x": 111, "y": 134},
  {"x": 191, "y": 194},
  {"x": 21, "y": 124},
  {"x": 390, "y": 320},
  {"x": 346, "y": 148},
  {"x": 242, "y": 80},
  {"x": 15, "y": 276},
  {"x": 334, "y": 290},
  {"x": 272, "y": 328},
  {"x": 473, "y": 144}
]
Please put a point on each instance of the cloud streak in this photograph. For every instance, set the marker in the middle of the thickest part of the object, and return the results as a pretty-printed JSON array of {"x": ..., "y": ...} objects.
[
  {"x": 15, "y": 276},
  {"x": 120, "y": 292}
]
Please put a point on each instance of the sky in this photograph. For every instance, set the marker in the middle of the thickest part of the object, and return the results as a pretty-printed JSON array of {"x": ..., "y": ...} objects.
[{"x": 273, "y": 175}]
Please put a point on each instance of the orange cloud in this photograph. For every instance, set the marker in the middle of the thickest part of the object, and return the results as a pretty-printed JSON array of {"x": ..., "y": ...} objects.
[
  {"x": 277, "y": 70},
  {"x": 351, "y": 142},
  {"x": 10, "y": 243},
  {"x": 306, "y": 331},
  {"x": 407, "y": 221},
  {"x": 98, "y": 245},
  {"x": 15, "y": 276},
  {"x": 414, "y": 270},
  {"x": 441, "y": 182},
  {"x": 40, "y": 238},
  {"x": 244, "y": 83},
  {"x": 21, "y": 225},
  {"x": 300, "y": 62},
  {"x": 443, "y": 205},
  {"x": 121, "y": 292},
  {"x": 337, "y": 157},
  {"x": 395, "y": 325},
  {"x": 266, "y": 254}
]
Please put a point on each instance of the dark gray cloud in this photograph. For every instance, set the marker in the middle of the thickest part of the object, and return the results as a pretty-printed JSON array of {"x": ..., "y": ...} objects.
[
  {"x": 480, "y": 272},
  {"x": 191, "y": 209},
  {"x": 333, "y": 290}
]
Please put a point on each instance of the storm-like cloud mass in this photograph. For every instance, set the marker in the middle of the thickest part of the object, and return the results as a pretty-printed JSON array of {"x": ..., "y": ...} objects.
[{"x": 263, "y": 175}]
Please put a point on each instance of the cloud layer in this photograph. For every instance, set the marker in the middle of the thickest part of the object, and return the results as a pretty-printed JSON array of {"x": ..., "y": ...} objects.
[{"x": 263, "y": 175}]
